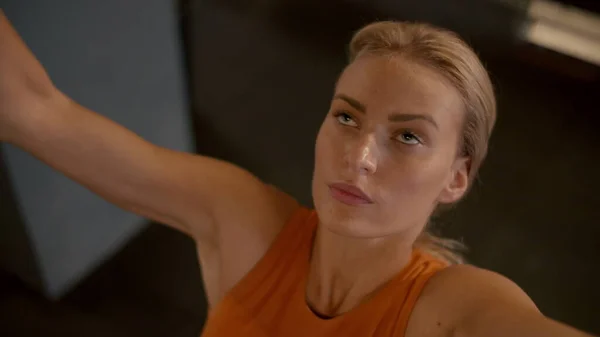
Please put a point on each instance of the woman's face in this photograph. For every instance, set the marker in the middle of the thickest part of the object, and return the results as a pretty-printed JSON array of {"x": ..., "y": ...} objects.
[{"x": 386, "y": 154}]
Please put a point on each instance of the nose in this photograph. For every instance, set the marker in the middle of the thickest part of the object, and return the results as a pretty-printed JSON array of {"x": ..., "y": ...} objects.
[{"x": 364, "y": 156}]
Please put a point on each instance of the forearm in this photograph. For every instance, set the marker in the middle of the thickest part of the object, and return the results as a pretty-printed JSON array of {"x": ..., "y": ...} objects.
[
  {"x": 91, "y": 149},
  {"x": 96, "y": 152},
  {"x": 179, "y": 189}
]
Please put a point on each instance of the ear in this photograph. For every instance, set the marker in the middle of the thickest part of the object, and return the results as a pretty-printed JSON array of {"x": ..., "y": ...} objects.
[{"x": 457, "y": 183}]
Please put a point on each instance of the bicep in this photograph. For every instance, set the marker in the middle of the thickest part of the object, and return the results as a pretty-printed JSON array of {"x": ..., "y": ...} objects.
[
  {"x": 189, "y": 192},
  {"x": 501, "y": 321},
  {"x": 230, "y": 213},
  {"x": 213, "y": 200}
]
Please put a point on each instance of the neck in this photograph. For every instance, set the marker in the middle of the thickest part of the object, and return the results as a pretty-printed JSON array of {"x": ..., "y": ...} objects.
[{"x": 345, "y": 271}]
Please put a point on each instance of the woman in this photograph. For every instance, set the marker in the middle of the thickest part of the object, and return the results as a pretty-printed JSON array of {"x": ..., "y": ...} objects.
[{"x": 405, "y": 135}]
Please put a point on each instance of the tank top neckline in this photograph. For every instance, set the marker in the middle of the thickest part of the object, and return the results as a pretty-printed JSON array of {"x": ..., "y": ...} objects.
[
  {"x": 271, "y": 298},
  {"x": 377, "y": 296}
]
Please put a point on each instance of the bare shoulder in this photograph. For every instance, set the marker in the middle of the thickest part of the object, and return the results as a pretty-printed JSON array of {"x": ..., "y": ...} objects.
[
  {"x": 471, "y": 283},
  {"x": 247, "y": 218},
  {"x": 454, "y": 293}
]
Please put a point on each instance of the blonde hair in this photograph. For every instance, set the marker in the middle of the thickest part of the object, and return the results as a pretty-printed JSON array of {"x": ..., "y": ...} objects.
[{"x": 446, "y": 53}]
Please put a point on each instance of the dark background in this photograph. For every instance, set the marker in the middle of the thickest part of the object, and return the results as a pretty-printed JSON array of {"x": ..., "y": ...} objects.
[{"x": 261, "y": 74}]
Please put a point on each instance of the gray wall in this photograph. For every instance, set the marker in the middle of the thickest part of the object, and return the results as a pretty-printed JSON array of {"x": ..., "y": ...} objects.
[
  {"x": 122, "y": 59},
  {"x": 16, "y": 251}
]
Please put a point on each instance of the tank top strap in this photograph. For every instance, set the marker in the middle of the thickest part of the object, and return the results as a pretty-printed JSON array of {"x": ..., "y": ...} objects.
[{"x": 419, "y": 272}]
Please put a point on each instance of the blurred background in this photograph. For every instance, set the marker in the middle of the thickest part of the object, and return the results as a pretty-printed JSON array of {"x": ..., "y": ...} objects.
[{"x": 250, "y": 81}]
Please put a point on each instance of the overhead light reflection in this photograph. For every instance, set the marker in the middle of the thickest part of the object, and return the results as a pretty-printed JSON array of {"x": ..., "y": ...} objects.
[{"x": 567, "y": 30}]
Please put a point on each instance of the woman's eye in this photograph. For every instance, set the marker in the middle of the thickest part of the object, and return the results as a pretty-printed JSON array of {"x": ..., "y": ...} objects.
[
  {"x": 409, "y": 138},
  {"x": 346, "y": 119}
]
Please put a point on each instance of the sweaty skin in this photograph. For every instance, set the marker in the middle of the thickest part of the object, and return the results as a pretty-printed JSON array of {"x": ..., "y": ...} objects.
[{"x": 221, "y": 205}]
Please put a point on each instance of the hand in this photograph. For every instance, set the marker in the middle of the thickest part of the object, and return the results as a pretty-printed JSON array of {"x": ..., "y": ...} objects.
[{"x": 24, "y": 84}]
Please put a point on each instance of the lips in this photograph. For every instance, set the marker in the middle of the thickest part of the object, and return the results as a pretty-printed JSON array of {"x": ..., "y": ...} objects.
[{"x": 349, "y": 194}]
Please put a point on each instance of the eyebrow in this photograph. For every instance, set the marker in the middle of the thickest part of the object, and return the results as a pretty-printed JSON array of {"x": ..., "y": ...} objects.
[
  {"x": 397, "y": 117},
  {"x": 411, "y": 117},
  {"x": 354, "y": 103}
]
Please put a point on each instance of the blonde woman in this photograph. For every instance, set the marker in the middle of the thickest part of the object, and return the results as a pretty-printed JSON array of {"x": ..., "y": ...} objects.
[{"x": 405, "y": 134}]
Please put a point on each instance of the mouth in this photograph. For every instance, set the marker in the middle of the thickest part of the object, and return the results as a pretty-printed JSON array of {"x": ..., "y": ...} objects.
[{"x": 349, "y": 194}]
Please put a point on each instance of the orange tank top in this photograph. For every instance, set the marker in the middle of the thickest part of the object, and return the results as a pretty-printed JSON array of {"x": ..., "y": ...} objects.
[{"x": 270, "y": 299}]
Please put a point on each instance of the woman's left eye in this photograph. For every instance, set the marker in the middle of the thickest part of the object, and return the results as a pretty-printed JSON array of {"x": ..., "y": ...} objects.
[{"x": 408, "y": 138}]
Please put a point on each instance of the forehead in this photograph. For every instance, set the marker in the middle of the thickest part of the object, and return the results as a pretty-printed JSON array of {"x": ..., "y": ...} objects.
[{"x": 386, "y": 84}]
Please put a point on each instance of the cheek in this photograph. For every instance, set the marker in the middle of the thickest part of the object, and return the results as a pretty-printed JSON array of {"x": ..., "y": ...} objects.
[
  {"x": 326, "y": 149},
  {"x": 321, "y": 171},
  {"x": 321, "y": 158},
  {"x": 413, "y": 177}
]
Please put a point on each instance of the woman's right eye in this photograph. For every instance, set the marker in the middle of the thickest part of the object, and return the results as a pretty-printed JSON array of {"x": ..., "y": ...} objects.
[{"x": 345, "y": 119}]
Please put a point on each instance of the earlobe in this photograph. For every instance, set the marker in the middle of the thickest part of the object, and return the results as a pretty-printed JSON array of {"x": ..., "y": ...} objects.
[{"x": 458, "y": 182}]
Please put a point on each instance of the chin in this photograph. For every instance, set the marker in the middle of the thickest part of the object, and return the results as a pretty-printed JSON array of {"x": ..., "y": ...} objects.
[
  {"x": 345, "y": 220},
  {"x": 343, "y": 225}
]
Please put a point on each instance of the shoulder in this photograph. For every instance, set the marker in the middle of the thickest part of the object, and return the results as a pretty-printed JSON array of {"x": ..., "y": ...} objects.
[
  {"x": 456, "y": 293},
  {"x": 245, "y": 233},
  {"x": 257, "y": 228},
  {"x": 473, "y": 284}
]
